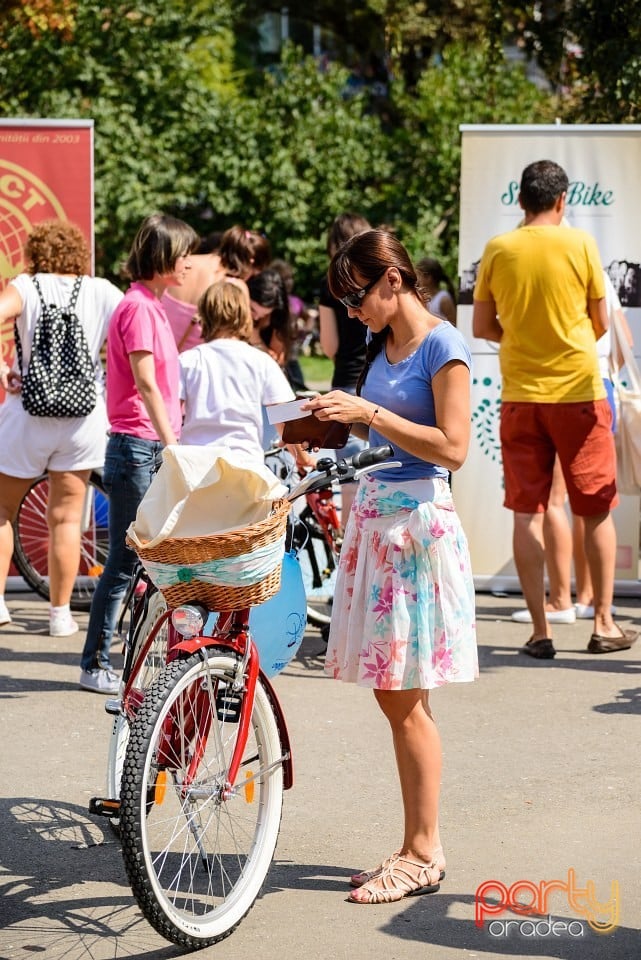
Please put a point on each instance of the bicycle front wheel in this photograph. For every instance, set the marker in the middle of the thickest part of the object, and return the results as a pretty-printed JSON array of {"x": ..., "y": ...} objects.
[
  {"x": 196, "y": 855},
  {"x": 31, "y": 540}
]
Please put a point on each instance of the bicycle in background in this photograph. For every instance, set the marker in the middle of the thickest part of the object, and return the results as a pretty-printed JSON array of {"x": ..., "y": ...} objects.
[{"x": 317, "y": 535}]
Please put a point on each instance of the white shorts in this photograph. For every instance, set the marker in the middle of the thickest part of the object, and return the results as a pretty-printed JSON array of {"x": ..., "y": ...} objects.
[{"x": 30, "y": 445}]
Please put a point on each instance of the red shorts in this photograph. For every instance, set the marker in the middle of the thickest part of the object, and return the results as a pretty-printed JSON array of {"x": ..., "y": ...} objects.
[{"x": 580, "y": 433}]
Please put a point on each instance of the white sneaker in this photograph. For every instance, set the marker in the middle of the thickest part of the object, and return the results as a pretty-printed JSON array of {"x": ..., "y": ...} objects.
[
  {"x": 522, "y": 616},
  {"x": 64, "y": 626},
  {"x": 586, "y": 612},
  {"x": 5, "y": 616},
  {"x": 100, "y": 681},
  {"x": 552, "y": 616}
]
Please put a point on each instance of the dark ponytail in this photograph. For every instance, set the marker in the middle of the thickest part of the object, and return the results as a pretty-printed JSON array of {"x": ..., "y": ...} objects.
[{"x": 374, "y": 347}]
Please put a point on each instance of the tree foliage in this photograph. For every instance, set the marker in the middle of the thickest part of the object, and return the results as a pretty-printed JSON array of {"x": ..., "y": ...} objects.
[
  {"x": 301, "y": 153},
  {"x": 180, "y": 126},
  {"x": 603, "y": 79},
  {"x": 466, "y": 86},
  {"x": 140, "y": 70}
]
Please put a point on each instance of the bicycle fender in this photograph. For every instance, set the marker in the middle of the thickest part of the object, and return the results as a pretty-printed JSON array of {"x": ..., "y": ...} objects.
[
  {"x": 288, "y": 763},
  {"x": 198, "y": 643}
]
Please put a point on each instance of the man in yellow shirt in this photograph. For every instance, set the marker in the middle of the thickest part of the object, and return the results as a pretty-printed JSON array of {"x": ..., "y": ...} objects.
[{"x": 540, "y": 294}]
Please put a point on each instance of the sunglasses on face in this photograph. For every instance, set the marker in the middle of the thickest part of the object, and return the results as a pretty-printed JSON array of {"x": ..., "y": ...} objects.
[{"x": 355, "y": 300}]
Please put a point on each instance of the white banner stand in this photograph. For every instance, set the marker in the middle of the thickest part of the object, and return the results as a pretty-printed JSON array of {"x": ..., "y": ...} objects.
[{"x": 602, "y": 163}]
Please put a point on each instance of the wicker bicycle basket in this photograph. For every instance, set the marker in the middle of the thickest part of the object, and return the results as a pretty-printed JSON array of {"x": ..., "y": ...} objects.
[{"x": 184, "y": 553}]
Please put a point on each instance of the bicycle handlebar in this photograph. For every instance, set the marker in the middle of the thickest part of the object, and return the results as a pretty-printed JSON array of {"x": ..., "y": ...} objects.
[
  {"x": 372, "y": 455},
  {"x": 343, "y": 470}
]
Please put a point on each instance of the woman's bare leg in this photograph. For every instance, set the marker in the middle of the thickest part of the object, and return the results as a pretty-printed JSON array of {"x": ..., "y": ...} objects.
[
  {"x": 12, "y": 490},
  {"x": 417, "y": 746},
  {"x": 67, "y": 491}
]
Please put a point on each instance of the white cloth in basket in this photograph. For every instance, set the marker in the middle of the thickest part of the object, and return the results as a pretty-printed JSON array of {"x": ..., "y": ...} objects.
[{"x": 200, "y": 491}]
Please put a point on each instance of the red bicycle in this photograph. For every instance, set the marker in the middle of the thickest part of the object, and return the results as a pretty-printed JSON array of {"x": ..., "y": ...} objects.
[{"x": 200, "y": 754}]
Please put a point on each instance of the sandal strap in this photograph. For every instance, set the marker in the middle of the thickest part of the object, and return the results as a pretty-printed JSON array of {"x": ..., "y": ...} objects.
[
  {"x": 359, "y": 879},
  {"x": 400, "y": 877}
]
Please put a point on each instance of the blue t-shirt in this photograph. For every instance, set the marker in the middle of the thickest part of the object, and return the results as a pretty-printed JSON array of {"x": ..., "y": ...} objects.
[{"x": 405, "y": 388}]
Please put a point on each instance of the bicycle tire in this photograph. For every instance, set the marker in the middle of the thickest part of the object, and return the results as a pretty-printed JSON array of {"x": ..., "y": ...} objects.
[
  {"x": 31, "y": 540},
  {"x": 318, "y": 566},
  {"x": 154, "y": 661},
  {"x": 196, "y": 863}
]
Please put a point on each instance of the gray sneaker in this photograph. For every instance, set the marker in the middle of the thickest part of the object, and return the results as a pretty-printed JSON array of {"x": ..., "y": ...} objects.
[{"x": 100, "y": 681}]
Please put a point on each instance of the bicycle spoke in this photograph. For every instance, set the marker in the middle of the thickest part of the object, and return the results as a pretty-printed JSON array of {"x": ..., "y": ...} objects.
[{"x": 196, "y": 851}]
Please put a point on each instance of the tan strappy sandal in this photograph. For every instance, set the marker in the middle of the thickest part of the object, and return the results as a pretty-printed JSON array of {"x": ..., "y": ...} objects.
[
  {"x": 358, "y": 879},
  {"x": 398, "y": 878}
]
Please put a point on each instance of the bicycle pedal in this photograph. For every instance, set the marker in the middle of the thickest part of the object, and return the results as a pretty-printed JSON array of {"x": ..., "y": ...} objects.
[
  {"x": 100, "y": 807},
  {"x": 228, "y": 706}
]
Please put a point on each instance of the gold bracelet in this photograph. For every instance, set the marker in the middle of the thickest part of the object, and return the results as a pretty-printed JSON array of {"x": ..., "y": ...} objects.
[{"x": 372, "y": 420}]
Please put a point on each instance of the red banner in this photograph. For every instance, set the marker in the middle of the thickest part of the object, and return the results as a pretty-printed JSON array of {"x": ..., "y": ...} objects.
[{"x": 46, "y": 170}]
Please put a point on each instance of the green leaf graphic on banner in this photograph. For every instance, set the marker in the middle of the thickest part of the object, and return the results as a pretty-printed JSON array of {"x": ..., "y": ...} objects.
[{"x": 486, "y": 400}]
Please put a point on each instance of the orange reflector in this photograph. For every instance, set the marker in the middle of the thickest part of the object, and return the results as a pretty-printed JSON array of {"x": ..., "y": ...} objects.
[
  {"x": 249, "y": 789},
  {"x": 95, "y": 571},
  {"x": 161, "y": 787}
]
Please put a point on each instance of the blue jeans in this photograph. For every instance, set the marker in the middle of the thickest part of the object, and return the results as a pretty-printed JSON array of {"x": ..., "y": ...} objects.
[{"x": 130, "y": 464}]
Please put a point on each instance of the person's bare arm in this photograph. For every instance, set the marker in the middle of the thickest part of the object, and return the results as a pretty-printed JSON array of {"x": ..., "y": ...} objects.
[
  {"x": 328, "y": 331},
  {"x": 10, "y": 307},
  {"x": 599, "y": 316},
  {"x": 627, "y": 333},
  {"x": 485, "y": 323},
  {"x": 144, "y": 371},
  {"x": 448, "y": 309},
  {"x": 445, "y": 444}
]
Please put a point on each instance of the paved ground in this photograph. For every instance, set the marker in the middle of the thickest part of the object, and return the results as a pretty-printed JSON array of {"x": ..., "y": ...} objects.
[{"x": 541, "y": 777}]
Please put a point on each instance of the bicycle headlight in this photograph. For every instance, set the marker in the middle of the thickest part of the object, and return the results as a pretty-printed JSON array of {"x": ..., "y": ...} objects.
[{"x": 188, "y": 621}]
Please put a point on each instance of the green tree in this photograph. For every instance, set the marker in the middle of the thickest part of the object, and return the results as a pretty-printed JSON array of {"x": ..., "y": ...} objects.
[
  {"x": 179, "y": 126},
  {"x": 176, "y": 128},
  {"x": 603, "y": 71},
  {"x": 468, "y": 86},
  {"x": 143, "y": 71},
  {"x": 290, "y": 157}
]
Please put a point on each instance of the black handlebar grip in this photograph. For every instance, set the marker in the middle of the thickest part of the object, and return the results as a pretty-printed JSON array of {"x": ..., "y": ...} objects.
[{"x": 372, "y": 455}]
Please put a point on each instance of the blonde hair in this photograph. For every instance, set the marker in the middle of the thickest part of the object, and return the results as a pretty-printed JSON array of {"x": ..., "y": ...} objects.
[{"x": 224, "y": 310}]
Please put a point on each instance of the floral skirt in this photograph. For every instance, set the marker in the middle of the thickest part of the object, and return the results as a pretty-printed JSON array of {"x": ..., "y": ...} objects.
[{"x": 404, "y": 614}]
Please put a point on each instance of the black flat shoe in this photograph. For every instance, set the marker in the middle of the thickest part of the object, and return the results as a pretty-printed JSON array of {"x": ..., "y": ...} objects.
[{"x": 539, "y": 649}]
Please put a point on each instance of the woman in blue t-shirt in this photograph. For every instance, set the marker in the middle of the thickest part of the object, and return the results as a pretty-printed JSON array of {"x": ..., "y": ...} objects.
[{"x": 403, "y": 614}]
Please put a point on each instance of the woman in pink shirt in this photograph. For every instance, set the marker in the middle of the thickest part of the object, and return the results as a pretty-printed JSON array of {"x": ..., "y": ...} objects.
[{"x": 143, "y": 407}]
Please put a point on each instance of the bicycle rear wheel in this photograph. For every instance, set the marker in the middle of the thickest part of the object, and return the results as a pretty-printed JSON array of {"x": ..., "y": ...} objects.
[
  {"x": 197, "y": 859},
  {"x": 318, "y": 567},
  {"x": 31, "y": 540}
]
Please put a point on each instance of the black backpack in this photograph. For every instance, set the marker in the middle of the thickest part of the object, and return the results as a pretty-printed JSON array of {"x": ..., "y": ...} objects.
[{"x": 60, "y": 380}]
